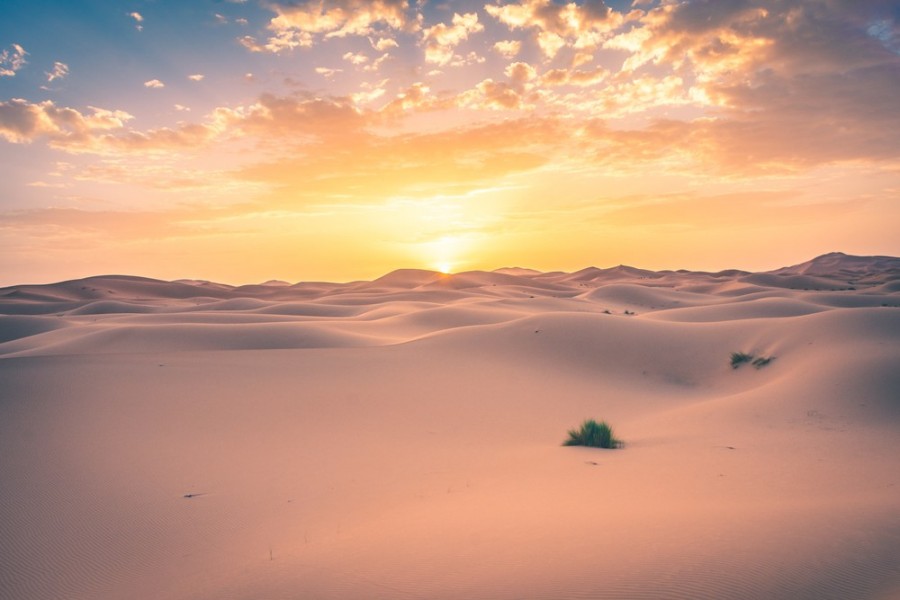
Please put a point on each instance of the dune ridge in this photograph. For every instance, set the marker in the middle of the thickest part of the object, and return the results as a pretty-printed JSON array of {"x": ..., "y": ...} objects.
[{"x": 401, "y": 438}]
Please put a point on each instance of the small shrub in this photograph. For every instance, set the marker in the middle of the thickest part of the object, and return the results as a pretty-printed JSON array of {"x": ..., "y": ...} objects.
[
  {"x": 739, "y": 358},
  {"x": 594, "y": 434}
]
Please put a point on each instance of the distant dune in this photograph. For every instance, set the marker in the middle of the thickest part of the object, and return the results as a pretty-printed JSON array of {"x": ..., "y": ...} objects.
[{"x": 401, "y": 438}]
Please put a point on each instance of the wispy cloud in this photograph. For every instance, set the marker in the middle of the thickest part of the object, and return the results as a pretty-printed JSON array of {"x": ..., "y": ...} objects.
[
  {"x": 299, "y": 24},
  {"x": 12, "y": 59},
  {"x": 154, "y": 83},
  {"x": 59, "y": 71},
  {"x": 138, "y": 19}
]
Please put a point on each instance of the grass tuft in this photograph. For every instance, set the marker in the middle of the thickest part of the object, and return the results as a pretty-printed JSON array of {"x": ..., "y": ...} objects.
[
  {"x": 739, "y": 358},
  {"x": 594, "y": 434}
]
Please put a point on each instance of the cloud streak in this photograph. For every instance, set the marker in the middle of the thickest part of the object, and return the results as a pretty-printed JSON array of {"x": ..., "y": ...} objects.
[
  {"x": 300, "y": 24},
  {"x": 60, "y": 70},
  {"x": 12, "y": 60}
]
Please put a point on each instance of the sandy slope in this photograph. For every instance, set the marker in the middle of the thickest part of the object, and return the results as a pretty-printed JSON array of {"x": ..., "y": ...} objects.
[{"x": 400, "y": 438}]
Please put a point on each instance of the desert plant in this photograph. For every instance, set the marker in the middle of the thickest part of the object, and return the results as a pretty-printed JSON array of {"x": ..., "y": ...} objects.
[
  {"x": 739, "y": 358},
  {"x": 594, "y": 434}
]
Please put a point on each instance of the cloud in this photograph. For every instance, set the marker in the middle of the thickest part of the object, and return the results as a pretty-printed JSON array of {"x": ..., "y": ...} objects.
[
  {"x": 97, "y": 131},
  {"x": 285, "y": 40},
  {"x": 12, "y": 60},
  {"x": 308, "y": 119},
  {"x": 472, "y": 58},
  {"x": 508, "y": 48},
  {"x": 512, "y": 94},
  {"x": 376, "y": 167},
  {"x": 563, "y": 19},
  {"x": 376, "y": 64},
  {"x": 493, "y": 94},
  {"x": 327, "y": 72},
  {"x": 383, "y": 43},
  {"x": 138, "y": 18},
  {"x": 415, "y": 98},
  {"x": 196, "y": 77},
  {"x": 786, "y": 85},
  {"x": 357, "y": 58},
  {"x": 368, "y": 95},
  {"x": 154, "y": 83},
  {"x": 297, "y": 24},
  {"x": 550, "y": 43},
  {"x": 559, "y": 25},
  {"x": 520, "y": 74},
  {"x": 59, "y": 71},
  {"x": 291, "y": 121},
  {"x": 576, "y": 77},
  {"x": 440, "y": 40},
  {"x": 24, "y": 122}
]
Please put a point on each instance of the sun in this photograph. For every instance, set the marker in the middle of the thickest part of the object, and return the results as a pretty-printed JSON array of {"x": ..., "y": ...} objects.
[{"x": 443, "y": 253}]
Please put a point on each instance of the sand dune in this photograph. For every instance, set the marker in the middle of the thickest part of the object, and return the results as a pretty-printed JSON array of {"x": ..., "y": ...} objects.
[{"x": 400, "y": 438}]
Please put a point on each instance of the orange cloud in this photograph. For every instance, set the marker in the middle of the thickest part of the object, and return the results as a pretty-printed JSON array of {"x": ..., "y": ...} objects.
[
  {"x": 557, "y": 26},
  {"x": 382, "y": 167},
  {"x": 440, "y": 40},
  {"x": 568, "y": 19},
  {"x": 508, "y": 48},
  {"x": 577, "y": 77},
  {"x": 24, "y": 122},
  {"x": 297, "y": 24}
]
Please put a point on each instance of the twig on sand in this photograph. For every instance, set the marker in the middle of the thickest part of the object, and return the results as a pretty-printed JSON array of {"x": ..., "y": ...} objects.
[{"x": 194, "y": 495}]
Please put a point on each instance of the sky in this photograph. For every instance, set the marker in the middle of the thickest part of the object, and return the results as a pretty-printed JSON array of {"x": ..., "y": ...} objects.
[{"x": 246, "y": 140}]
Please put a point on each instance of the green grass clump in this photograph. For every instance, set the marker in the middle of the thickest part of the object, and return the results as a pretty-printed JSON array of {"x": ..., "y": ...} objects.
[
  {"x": 739, "y": 358},
  {"x": 594, "y": 434}
]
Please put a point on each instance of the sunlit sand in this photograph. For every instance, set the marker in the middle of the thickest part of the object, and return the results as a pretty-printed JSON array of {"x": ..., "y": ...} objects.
[{"x": 402, "y": 438}]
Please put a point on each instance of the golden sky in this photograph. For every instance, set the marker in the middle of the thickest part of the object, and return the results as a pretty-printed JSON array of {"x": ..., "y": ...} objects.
[{"x": 244, "y": 140}]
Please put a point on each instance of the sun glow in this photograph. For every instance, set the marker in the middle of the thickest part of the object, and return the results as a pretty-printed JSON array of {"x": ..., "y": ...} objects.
[{"x": 444, "y": 253}]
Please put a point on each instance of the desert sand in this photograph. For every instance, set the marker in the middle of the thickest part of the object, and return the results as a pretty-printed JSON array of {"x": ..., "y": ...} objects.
[{"x": 401, "y": 438}]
